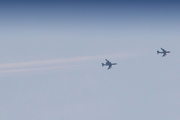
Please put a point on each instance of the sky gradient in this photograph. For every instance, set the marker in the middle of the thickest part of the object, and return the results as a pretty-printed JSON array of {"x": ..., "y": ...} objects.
[{"x": 51, "y": 55}]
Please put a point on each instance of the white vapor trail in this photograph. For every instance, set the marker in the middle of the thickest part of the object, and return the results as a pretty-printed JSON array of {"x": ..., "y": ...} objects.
[
  {"x": 47, "y": 64},
  {"x": 33, "y": 69}
]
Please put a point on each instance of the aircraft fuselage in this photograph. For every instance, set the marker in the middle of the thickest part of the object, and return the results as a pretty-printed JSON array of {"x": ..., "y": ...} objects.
[
  {"x": 108, "y": 64},
  {"x": 164, "y": 52}
]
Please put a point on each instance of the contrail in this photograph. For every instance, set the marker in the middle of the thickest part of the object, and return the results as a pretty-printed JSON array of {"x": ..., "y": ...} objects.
[
  {"x": 33, "y": 69},
  {"x": 47, "y": 64},
  {"x": 41, "y": 63}
]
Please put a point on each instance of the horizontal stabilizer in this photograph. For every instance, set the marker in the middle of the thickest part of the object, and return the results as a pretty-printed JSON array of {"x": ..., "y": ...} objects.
[
  {"x": 102, "y": 64},
  {"x": 157, "y": 52}
]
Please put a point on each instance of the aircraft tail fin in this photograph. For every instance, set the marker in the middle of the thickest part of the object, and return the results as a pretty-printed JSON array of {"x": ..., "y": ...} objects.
[
  {"x": 102, "y": 64},
  {"x": 157, "y": 52}
]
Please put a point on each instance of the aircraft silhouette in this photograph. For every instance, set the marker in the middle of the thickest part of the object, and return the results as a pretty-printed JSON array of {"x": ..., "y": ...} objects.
[
  {"x": 164, "y": 52},
  {"x": 108, "y": 63}
]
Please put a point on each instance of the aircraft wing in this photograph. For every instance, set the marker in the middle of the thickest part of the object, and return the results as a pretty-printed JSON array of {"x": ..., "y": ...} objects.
[
  {"x": 163, "y": 50},
  {"x": 107, "y": 60},
  {"x": 164, "y": 54},
  {"x": 109, "y": 67}
]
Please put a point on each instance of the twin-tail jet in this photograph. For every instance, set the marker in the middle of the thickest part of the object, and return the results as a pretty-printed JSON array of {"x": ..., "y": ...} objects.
[
  {"x": 108, "y": 63},
  {"x": 164, "y": 52}
]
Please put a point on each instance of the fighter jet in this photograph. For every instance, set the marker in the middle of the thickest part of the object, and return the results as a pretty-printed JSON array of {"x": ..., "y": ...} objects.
[
  {"x": 164, "y": 52},
  {"x": 108, "y": 64}
]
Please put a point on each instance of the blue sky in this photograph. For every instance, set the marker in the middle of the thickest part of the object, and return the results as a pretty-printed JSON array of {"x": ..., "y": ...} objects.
[{"x": 51, "y": 55}]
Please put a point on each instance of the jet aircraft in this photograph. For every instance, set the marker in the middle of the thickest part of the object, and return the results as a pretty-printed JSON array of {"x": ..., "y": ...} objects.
[
  {"x": 108, "y": 63},
  {"x": 164, "y": 52}
]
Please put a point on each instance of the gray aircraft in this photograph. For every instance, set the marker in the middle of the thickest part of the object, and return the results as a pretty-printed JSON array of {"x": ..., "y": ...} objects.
[
  {"x": 108, "y": 64},
  {"x": 164, "y": 52}
]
